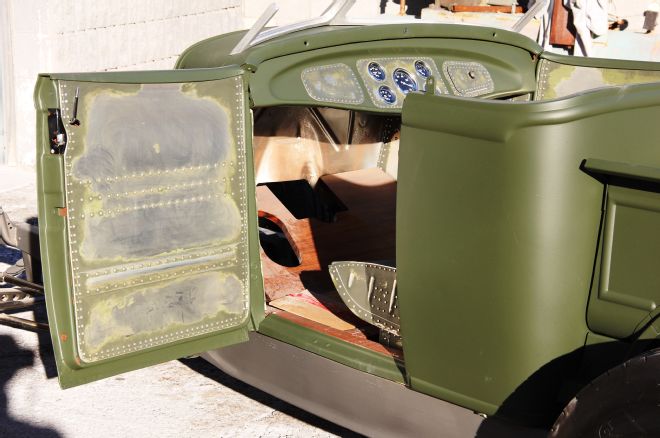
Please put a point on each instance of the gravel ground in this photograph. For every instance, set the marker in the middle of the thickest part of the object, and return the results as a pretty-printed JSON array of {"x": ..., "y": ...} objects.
[{"x": 186, "y": 398}]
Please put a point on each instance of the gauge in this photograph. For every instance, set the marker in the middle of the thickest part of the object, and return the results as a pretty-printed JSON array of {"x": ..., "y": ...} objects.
[
  {"x": 422, "y": 69},
  {"x": 387, "y": 94},
  {"x": 404, "y": 81},
  {"x": 376, "y": 71}
]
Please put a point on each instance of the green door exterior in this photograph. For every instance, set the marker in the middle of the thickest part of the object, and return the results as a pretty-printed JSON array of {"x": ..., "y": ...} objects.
[{"x": 147, "y": 217}]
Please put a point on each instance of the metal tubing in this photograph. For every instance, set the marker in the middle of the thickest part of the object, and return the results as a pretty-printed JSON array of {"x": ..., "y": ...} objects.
[
  {"x": 22, "y": 323},
  {"x": 38, "y": 288}
]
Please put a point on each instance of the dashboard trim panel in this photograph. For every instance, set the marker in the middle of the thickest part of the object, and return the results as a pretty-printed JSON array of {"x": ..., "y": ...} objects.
[
  {"x": 327, "y": 83},
  {"x": 390, "y": 65}
]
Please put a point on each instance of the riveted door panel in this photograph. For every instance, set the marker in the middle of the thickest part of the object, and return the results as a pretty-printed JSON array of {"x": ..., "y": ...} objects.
[{"x": 152, "y": 221}]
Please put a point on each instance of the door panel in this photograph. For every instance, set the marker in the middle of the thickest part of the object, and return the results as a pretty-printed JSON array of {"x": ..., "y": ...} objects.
[
  {"x": 156, "y": 209},
  {"x": 624, "y": 294}
]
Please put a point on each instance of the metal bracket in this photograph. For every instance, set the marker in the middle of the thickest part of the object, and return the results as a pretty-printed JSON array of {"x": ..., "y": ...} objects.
[
  {"x": 531, "y": 13},
  {"x": 334, "y": 15},
  {"x": 369, "y": 291},
  {"x": 258, "y": 26},
  {"x": 15, "y": 292},
  {"x": 57, "y": 134},
  {"x": 24, "y": 237}
]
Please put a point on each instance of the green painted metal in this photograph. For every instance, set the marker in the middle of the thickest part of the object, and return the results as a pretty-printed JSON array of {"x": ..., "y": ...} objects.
[
  {"x": 54, "y": 243},
  {"x": 276, "y": 65},
  {"x": 333, "y": 348},
  {"x": 494, "y": 266},
  {"x": 213, "y": 52},
  {"x": 277, "y": 81},
  {"x": 649, "y": 328},
  {"x": 500, "y": 214},
  {"x": 627, "y": 171},
  {"x": 605, "y": 63},
  {"x": 149, "y": 76},
  {"x": 626, "y": 279},
  {"x": 565, "y": 76}
]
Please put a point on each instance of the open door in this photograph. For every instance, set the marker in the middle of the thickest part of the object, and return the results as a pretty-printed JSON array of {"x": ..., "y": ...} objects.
[{"x": 147, "y": 217}]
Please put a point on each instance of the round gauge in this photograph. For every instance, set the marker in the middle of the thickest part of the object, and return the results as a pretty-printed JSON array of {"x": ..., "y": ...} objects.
[
  {"x": 404, "y": 81},
  {"x": 422, "y": 69},
  {"x": 387, "y": 94},
  {"x": 376, "y": 71}
]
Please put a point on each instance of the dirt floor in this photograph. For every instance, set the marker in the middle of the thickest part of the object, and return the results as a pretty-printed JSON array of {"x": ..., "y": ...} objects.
[{"x": 183, "y": 398}]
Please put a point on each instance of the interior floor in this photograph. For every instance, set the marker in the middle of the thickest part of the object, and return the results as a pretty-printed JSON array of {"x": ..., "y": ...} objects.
[{"x": 360, "y": 227}]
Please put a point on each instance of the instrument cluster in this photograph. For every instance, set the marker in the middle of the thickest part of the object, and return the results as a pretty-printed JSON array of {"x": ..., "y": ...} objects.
[{"x": 388, "y": 80}]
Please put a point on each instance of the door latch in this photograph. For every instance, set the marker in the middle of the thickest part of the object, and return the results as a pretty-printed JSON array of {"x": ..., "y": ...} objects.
[{"x": 56, "y": 131}]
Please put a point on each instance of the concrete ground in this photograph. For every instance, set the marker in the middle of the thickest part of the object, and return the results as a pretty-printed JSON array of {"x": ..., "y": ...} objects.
[{"x": 186, "y": 398}]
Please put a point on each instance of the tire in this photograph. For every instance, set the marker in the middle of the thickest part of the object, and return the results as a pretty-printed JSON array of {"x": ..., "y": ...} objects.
[{"x": 623, "y": 402}]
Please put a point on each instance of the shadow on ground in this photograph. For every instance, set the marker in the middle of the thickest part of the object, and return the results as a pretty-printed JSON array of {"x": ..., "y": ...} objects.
[
  {"x": 12, "y": 359},
  {"x": 9, "y": 256},
  {"x": 210, "y": 371}
]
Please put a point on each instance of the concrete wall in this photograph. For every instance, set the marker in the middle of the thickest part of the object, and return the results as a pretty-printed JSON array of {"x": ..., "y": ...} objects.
[
  {"x": 631, "y": 10},
  {"x": 104, "y": 35},
  {"x": 88, "y": 35},
  {"x": 298, "y": 10},
  {"x": 6, "y": 93}
]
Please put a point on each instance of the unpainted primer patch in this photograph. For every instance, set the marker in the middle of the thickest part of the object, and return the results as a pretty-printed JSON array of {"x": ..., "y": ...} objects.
[
  {"x": 559, "y": 80},
  {"x": 141, "y": 314}
]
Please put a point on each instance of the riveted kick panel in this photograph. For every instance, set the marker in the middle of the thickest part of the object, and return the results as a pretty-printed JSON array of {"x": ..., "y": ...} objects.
[
  {"x": 156, "y": 212},
  {"x": 369, "y": 291}
]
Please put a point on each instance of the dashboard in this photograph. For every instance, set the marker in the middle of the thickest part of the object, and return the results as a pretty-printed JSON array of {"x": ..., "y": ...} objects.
[
  {"x": 388, "y": 80},
  {"x": 377, "y": 76}
]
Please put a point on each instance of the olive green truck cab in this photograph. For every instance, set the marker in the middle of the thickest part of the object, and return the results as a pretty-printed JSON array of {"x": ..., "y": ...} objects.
[{"x": 459, "y": 231}]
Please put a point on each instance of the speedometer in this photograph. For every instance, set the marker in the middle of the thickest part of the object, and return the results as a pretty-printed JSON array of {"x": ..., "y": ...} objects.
[{"x": 404, "y": 81}]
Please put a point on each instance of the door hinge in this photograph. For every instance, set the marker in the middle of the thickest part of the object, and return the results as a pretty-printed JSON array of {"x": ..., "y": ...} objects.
[{"x": 56, "y": 131}]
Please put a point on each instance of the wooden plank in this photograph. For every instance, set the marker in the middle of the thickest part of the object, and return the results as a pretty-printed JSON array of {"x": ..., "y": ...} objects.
[
  {"x": 279, "y": 280},
  {"x": 493, "y": 9},
  {"x": 355, "y": 337},
  {"x": 308, "y": 306},
  {"x": 562, "y": 32},
  {"x": 364, "y": 232}
]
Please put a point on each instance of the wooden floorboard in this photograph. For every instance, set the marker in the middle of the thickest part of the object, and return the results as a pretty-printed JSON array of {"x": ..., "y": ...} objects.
[
  {"x": 355, "y": 336},
  {"x": 365, "y": 231}
]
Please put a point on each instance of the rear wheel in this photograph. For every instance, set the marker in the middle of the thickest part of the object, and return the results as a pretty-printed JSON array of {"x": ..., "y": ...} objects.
[{"x": 624, "y": 402}]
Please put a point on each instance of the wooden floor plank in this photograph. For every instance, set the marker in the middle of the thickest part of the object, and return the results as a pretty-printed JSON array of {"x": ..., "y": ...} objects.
[
  {"x": 364, "y": 232},
  {"x": 355, "y": 336}
]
